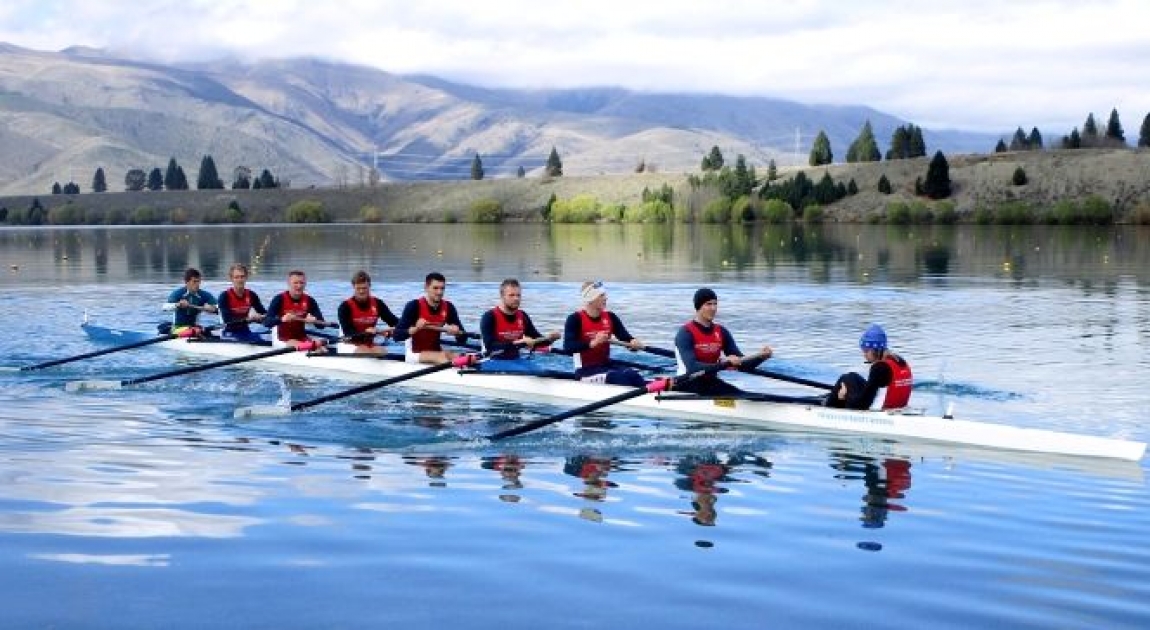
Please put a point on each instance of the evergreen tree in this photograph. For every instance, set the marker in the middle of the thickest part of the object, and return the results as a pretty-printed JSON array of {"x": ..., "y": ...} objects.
[
  {"x": 744, "y": 178},
  {"x": 852, "y": 187},
  {"x": 899, "y": 144},
  {"x": 554, "y": 166},
  {"x": 714, "y": 159},
  {"x": 156, "y": 179},
  {"x": 56, "y": 190},
  {"x": 821, "y": 151},
  {"x": 241, "y": 178},
  {"x": 884, "y": 185},
  {"x": 171, "y": 176},
  {"x": 208, "y": 178},
  {"x": 1019, "y": 177},
  {"x": 135, "y": 179},
  {"x": 1090, "y": 131},
  {"x": 266, "y": 180},
  {"x": 1073, "y": 141},
  {"x": 36, "y": 213},
  {"x": 1035, "y": 140},
  {"x": 71, "y": 188},
  {"x": 1018, "y": 142},
  {"x": 520, "y": 173},
  {"x": 1144, "y": 133},
  {"x": 864, "y": 148},
  {"x": 476, "y": 167},
  {"x": 917, "y": 144},
  {"x": 1000, "y": 147},
  {"x": 1114, "y": 133},
  {"x": 257, "y": 184},
  {"x": 181, "y": 179},
  {"x": 937, "y": 184},
  {"x": 99, "y": 183},
  {"x": 773, "y": 170}
]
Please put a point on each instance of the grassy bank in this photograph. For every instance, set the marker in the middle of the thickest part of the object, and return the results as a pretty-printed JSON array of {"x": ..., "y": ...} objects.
[{"x": 985, "y": 188}]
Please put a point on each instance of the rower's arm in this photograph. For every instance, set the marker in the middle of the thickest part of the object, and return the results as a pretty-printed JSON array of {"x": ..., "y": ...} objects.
[
  {"x": 407, "y": 319},
  {"x": 573, "y": 335},
  {"x": 385, "y": 313},
  {"x": 618, "y": 329},
  {"x": 272, "y": 317},
  {"x": 685, "y": 345}
]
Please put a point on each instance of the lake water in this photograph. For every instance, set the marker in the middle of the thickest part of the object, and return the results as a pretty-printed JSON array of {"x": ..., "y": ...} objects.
[{"x": 152, "y": 508}]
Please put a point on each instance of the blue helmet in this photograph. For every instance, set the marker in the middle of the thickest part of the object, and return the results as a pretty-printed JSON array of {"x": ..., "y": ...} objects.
[{"x": 873, "y": 339}]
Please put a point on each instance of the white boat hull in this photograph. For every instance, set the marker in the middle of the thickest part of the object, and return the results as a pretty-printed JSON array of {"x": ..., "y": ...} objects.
[{"x": 740, "y": 412}]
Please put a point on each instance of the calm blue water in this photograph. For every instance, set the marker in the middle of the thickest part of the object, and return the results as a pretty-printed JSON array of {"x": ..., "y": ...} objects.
[{"x": 151, "y": 507}]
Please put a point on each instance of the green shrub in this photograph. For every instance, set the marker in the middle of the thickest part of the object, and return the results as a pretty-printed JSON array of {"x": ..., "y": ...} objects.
[
  {"x": 67, "y": 214},
  {"x": 898, "y": 213},
  {"x": 945, "y": 213},
  {"x": 578, "y": 209},
  {"x": 718, "y": 210},
  {"x": 1139, "y": 215},
  {"x": 371, "y": 214},
  {"x": 1096, "y": 211},
  {"x": 920, "y": 213},
  {"x": 307, "y": 211},
  {"x": 178, "y": 216},
  {"x": 983, "y": 215},
  {"x": 144, "y": 215},
  {"x": 744, "y": 209},
  {"x": 116, "y": 216},
  {"x": 777, "y": 211},
  {"x": 485, "y": 211},
  {"x": 1015, "y": 213},
  {"x": 813, "y": 213},
  {"x": 613, "y": 213},
  {"x": 650, "y": 211}
]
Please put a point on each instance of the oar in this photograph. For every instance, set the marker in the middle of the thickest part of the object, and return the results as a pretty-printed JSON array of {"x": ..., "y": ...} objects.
[
  {"x": 778, "y": 376},
  {"x": 653, "y": 387},
  {"x": 88, "y": 355},
  {"x": 76, "y": 386},
  {"x": 279, "y": 410}
]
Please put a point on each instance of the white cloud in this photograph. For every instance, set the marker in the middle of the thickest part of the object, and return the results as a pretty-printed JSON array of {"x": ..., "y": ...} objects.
[{"x": 973, "y": 64}]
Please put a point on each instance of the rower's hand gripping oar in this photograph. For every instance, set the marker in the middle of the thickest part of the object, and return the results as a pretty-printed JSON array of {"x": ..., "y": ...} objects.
[
  {"x": 654, "y": 387},
  {"x": 188, "y": 332},
  {"x": 76, "y": 386},
  {"x": 778, "y": 376},
  {"x": 461, "y": 361}
]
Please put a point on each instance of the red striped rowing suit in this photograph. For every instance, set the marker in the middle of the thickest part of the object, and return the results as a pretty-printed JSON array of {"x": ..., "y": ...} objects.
[{"x": 425, "y": 340}]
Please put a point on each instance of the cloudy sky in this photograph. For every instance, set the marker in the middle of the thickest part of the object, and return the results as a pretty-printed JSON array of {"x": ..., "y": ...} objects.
[{"x": 986, "y": 65}]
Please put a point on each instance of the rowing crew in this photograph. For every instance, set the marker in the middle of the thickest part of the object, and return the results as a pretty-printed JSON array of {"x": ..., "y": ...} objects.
[{"x": 507, "y": 330}]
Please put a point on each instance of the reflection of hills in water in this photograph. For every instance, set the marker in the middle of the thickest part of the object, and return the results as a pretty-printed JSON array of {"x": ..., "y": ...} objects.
[{"x": 681, "y": 253}]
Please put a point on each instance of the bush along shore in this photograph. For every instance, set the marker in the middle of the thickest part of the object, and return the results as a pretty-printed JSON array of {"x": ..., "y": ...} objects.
[{"x": 1095, "y": 187}]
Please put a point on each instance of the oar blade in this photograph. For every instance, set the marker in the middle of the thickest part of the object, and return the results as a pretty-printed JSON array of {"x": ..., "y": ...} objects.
[
  {"x": 261, "y": 411},
  {"x": 93, "y": 385}
]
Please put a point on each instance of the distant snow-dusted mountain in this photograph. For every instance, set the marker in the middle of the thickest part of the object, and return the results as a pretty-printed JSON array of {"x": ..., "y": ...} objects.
[{"x": 311, "y": 122}]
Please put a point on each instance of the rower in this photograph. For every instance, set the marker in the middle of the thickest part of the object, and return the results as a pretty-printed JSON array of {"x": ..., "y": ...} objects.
[
  {"x": 424, "y": 319},
  {"x": 187, "y": 301},
  {"x": 291, "y": 310},
  {"x": 359, "y": 316},
  {"x": 506, "y": 329},
  {"x": 887, "y": 370},
  {"x": 702, "y": 342},
  {"x": 239, "y": 306},
  {"x": 587, "y": 337}
]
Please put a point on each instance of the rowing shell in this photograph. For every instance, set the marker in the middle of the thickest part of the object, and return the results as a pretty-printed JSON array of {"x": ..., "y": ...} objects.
[{"x": 752, "y": 412}]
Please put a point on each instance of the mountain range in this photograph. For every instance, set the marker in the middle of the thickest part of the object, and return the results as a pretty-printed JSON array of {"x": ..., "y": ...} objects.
[{"x": 320, "y": 123}]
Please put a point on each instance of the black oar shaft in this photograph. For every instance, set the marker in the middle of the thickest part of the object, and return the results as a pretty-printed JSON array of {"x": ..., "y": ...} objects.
[
  {"x": 570, "y": 413},
  {"x": 97, "y": 353},
  {"x": 208, "y": 366},
  {"x": 670, "y": 354},
  {"x": 370, "y": 386}
]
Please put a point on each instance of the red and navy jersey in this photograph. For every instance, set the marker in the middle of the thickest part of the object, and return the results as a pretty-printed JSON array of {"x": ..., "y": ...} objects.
[
  {"x": 588, "y": 328},
  {"x": 901, "y": 383},
  {"x": 361, "y": 317},
  {"x": 708, "y": 345},
  {"x": 293, "y": 330},
  {"x": 425, "y": 339}
]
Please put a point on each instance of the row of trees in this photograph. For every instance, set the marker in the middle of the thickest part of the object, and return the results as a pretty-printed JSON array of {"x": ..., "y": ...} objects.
[
  {"x": 173, "y": 178},
  {"x": 906, "y": 142},
  {"x": 553, "y": 167},
  {"x": 1090, "y": 136}
]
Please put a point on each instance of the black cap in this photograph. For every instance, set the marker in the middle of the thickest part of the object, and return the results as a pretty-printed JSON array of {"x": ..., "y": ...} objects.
[{"x": 704, "y": 295}]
